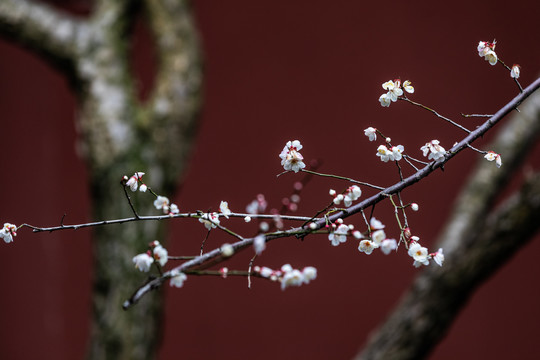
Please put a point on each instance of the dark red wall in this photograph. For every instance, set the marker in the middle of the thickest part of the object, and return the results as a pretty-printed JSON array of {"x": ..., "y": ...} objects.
[{"x": 274, "y": 71}]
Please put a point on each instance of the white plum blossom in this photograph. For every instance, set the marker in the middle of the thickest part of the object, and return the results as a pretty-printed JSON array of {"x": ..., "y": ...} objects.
[
  {"x": 419, "y": 254},
  {"x": 378, "y": 237},
  {"x": 491, "y": 57},
  {"x": 210, "y": 220},
  {"x": 394, "y": 89},
  {"x": 291, "y": 159},
  {"x": 434, "y": 150},
  {"x": 8, "y": 232},
  {"x": 177, "y": 278},
  {"x": 264, "y": 271},
  {"x": 224, "y": 208},
  {"x": 438, "y": 257},
  {"x": 384, "y": 153},
  {"x": 375, "y": 224},
  {"x": 293, "y": 277},
  {"x": 133, "y": 181},
  {"x": 491, "y": 156},
  {"x": 516, "y": 71},
  {"x": 339, "y": 235},
  {"x": 408, "y": 87},
  {"x": 352, "y": 194},
  {"x": 286, "y": 268},
  {"x": 371, "y": 133},
  {"x": 367, "y": 246},
  {"x": 173, "y": 209},
  {"x": 227, "y": 250},
  {"x": 338, "y": 199},
  {"x": 388, "y": 245},
  {"x": 487, "y": 50},
  {"x": 482, "y": 48},
  {"x": 143, "y": 188},
  {"x": 385, "y": 100},
  {"x": 259, "y": 244},
  {"x": 162, "y": 202},
  {"x": 397, "y": 152},
  {"x": 143, "y": 262},
  {"x": 161, "y": 254},
  {"x": 287, "y": 275},
  {"x": 309, "y": 273}
]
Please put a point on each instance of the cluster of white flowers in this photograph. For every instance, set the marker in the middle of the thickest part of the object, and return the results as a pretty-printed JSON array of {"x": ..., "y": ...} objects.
[
  {"x": 352, "y": 193},
  {"x": 434, "y": 150},
  {"x": 394, "y": 90},
  {"x": 8, "y": 232},
  {"x": 158, "y": 253},
  {"x": 487, "y": 50},
  {"x": 421, "y": 256},
  {"x": 377, "y": 240},
  {"x": 339, "y": 232},
  {"x": 163, "y": 203},
  {"x": 493, "y": 156},
  {"x": 287, "y": 275},
  {"x": 133, "y": 182},
  {"x": 393, "y": 154},
  {"x": 210, "y": 220},
  {"x": 291, "y": 159}
]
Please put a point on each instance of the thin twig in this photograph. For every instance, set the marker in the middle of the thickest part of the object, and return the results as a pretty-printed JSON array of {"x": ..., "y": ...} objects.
[
  {"x": 436, "y": 114},
  {"x": 343, "y": 178},
  {"x": 124, "y": 187},
  {"x": 476, "y": 115}
]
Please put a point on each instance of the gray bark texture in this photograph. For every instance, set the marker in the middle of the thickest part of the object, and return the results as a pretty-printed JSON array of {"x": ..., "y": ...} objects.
[
  {"x": 477, "y": 240},
  {"x": 119, "y": 136}
]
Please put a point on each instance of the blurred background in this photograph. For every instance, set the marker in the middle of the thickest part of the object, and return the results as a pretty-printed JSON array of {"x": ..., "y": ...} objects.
[{"x": 274, "y": 71}]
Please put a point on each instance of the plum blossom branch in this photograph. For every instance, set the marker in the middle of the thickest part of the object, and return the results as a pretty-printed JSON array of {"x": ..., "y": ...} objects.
[{"x": 359, "y": 207}]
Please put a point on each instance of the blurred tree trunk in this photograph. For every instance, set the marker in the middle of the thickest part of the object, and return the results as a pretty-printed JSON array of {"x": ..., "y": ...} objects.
[
  {"x": 478, "y": 239},
  {"x": 119, "y": 136}
]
